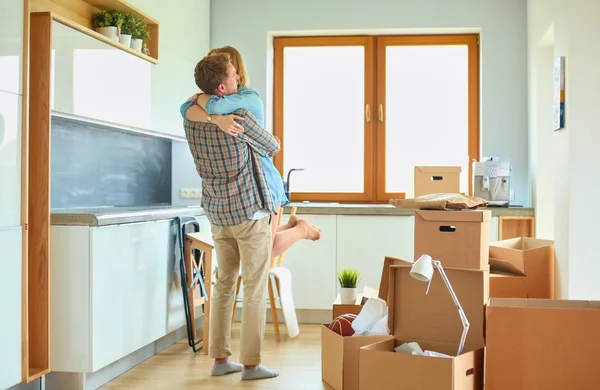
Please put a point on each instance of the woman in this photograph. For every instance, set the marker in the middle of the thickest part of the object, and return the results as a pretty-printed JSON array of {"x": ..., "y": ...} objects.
[{"x": 247, "y": 98}]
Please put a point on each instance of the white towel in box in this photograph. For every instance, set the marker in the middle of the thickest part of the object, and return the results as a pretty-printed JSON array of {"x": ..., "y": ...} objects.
[{"x": 372, "y": 312}]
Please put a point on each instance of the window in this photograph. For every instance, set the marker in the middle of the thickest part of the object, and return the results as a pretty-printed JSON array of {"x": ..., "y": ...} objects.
[{"x": 359, "y": 113}]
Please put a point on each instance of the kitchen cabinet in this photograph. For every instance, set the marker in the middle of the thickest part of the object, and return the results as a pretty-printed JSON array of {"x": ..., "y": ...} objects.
[
  {"x": 313, "y": 265},
  {"x": 10, "y": 306},
  {"x": 364, "y": 241},
  {"x": 11, "y": 46},
  {"x": 95, "y": 80},
  {"x": 109, "y": 291},
  {"x": 10, "y": 157}
]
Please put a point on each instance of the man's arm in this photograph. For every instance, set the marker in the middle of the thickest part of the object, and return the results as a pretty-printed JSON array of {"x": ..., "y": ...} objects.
[
  {"x": 259, "y": 139},
  {"x": 192, "y": 112}
]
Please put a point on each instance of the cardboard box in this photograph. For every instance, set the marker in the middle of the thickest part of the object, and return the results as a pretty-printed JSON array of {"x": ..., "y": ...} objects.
[
  {"x": 339, "y": 358},
  {"x": 433, "y": 321},
  {"x": 459, "y": 239},
  {"x": 508, "y": 286},
  {"x": 435, "y": 180},
  {"x": 339, "y": 355},
  {"x": 542, "y": 344},
  {"x": 526, "y": 266},
  {"x": 338, "y": 310}
]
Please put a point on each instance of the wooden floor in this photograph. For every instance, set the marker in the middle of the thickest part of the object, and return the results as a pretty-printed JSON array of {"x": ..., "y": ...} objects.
[{"x": 176, "y": 368}]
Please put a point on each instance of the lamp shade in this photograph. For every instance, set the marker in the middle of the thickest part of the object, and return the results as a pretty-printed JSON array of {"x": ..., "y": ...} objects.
[{"x": 422, "y": 269}]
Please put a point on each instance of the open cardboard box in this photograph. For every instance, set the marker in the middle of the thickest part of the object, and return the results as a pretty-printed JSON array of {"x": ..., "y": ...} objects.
[
  {"x": 459, "y": 239},
  {"x": 522, "y": 268},
  {"x": 542, "y": 344},
  {"x": 435, "y": 180},
  {"x": 339, "y": 355},
  {"x": 433, "y": 321}
]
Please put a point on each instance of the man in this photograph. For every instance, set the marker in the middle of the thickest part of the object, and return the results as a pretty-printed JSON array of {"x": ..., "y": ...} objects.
[{"x": 237, "y": 201}]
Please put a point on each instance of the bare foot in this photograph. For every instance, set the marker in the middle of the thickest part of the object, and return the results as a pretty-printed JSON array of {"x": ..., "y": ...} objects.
[
  {"x": 293, "y": 221},
  {"x": 311, "y": 232}
]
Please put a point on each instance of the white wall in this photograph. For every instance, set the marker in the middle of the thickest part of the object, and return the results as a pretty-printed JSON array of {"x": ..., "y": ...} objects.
[
  {"x": 573, "y": 24},
  {"x": 504, "y": 50},
  {"x": 184, "y": 40}
]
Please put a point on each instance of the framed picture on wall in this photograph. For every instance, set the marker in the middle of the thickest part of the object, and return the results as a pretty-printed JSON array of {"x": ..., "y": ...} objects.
[{"x": 558, "y": 121}]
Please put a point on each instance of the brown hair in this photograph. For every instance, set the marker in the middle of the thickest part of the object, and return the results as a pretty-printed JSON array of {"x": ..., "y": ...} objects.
[
  {"x": 236, "y": 61},
  {"x": 211, "y": 71}
]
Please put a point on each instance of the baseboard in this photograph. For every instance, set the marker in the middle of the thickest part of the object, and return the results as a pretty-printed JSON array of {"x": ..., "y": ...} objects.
[{"x": 304, "y": 316}]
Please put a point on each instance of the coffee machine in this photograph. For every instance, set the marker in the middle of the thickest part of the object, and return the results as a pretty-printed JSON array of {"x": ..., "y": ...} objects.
[{"x": 492, "y": 181}]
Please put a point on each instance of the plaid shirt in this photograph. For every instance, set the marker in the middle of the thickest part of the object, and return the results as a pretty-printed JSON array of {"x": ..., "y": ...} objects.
[{"x": 234, "y": 186}]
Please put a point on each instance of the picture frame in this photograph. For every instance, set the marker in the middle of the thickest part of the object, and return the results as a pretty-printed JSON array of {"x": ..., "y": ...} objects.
[{"x": 558, "y": 120}]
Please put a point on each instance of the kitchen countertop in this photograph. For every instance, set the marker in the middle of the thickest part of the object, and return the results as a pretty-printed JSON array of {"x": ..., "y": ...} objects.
[
  {"x": 111, "y": 215},
  {"x": 332, "y": 208}
]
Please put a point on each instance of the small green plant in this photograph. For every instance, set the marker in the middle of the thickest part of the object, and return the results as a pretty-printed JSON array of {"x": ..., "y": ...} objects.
[
  {"x": 348, "y": 278},
  {"x": 118, "y": 17},
  {"x": 108, "y": 18},
  {"x": 129, "y": 24},
  {"x": 102, "y": 19},
  {"x": 139, "y": 31}
]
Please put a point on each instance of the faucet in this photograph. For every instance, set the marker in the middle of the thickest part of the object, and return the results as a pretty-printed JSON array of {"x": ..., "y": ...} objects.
[{"x": 286, "y": 184}]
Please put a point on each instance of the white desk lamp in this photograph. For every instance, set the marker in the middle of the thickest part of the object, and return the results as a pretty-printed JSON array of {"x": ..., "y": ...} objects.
[{"x": 422, "y": 270}]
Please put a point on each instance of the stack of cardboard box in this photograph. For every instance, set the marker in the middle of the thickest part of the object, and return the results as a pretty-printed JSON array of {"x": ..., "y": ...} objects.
[
  {"x": 459, "y": 240},
  {"x": 519, "y": 336}
]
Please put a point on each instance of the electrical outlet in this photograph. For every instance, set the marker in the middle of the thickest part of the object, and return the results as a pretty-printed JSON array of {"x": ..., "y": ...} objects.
[
  {"x": 184, "y": 193},
  {"x": 511, "y": 196},
  {"x": 195, "y": 193}
]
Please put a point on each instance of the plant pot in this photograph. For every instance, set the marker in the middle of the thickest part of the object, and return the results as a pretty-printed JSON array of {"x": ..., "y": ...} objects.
[
  {"x": 125, "y": 39},
  {"x": 348, "y": 295},
  {"x": 136, "y": 44},
  {"x": 110, "y": 32}
]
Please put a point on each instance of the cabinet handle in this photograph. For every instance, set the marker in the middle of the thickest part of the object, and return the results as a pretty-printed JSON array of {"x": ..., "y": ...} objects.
[
  {"x": 368, "y": 113},
  {"x": 380, "y": 112}
]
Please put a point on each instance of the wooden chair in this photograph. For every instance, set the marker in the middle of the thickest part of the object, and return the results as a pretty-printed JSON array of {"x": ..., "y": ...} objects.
[
  {"x": 203, "y": 242},
  {"x": 275, "y": 262}
]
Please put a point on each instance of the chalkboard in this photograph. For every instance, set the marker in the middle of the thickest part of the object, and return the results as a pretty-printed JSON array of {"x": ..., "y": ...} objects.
[{"x": 92, "y": 166}]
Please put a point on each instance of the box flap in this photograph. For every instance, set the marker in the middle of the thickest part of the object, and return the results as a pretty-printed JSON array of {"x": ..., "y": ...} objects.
[
  {"x": 511, "y": 267},
  {"x": 542, "y": 303},
  {"x": 385, "y": 274},
  {"x": 455, "y": 215},
  {"x": 413, "y": 315},
  {"x": 522, "y": 243},
  {"x": 438, "y": 169}
]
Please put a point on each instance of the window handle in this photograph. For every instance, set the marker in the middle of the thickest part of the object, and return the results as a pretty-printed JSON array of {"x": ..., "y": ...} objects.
[
  {"x": 380, "y": 112},
  {"x": 368, "y": 113}
]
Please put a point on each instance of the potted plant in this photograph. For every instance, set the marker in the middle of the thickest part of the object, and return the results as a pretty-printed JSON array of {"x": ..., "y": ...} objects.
[
  {"x": 127, "y": 28},
  {"x": 104, "y": 23},
  {"x": 138, "y": 35},
  {"x": 108, "y": 23},
  {"x": 348, "y": 279}
]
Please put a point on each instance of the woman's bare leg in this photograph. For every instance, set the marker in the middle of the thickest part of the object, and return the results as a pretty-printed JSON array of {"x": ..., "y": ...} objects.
[{"x": 302, "y": 230}]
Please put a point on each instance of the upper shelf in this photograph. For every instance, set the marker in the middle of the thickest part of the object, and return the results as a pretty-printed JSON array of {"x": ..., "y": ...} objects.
[{"x": 77, "y": 14}]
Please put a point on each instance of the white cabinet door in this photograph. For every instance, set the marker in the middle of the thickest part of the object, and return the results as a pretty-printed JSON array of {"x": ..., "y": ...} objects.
[
  {"x": 11, "y": 46},
  {"x": 10, "y": 155},
  {"x": 312, "y": 264},
  {"x": 364, "y": 241},
  {"x": 129, "y": 288},
  {"x": 10, "y": 306}
]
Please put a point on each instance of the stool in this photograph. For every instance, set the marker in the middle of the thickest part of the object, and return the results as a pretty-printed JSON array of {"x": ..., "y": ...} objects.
[{"x": 204, "y": 243}]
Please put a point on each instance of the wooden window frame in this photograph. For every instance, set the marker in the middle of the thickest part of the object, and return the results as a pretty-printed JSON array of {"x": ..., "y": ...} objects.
[{"x": 374, "y": 129}]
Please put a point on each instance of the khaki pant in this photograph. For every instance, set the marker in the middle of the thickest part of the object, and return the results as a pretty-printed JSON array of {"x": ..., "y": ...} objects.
[{"x": 249, "y": 242}]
